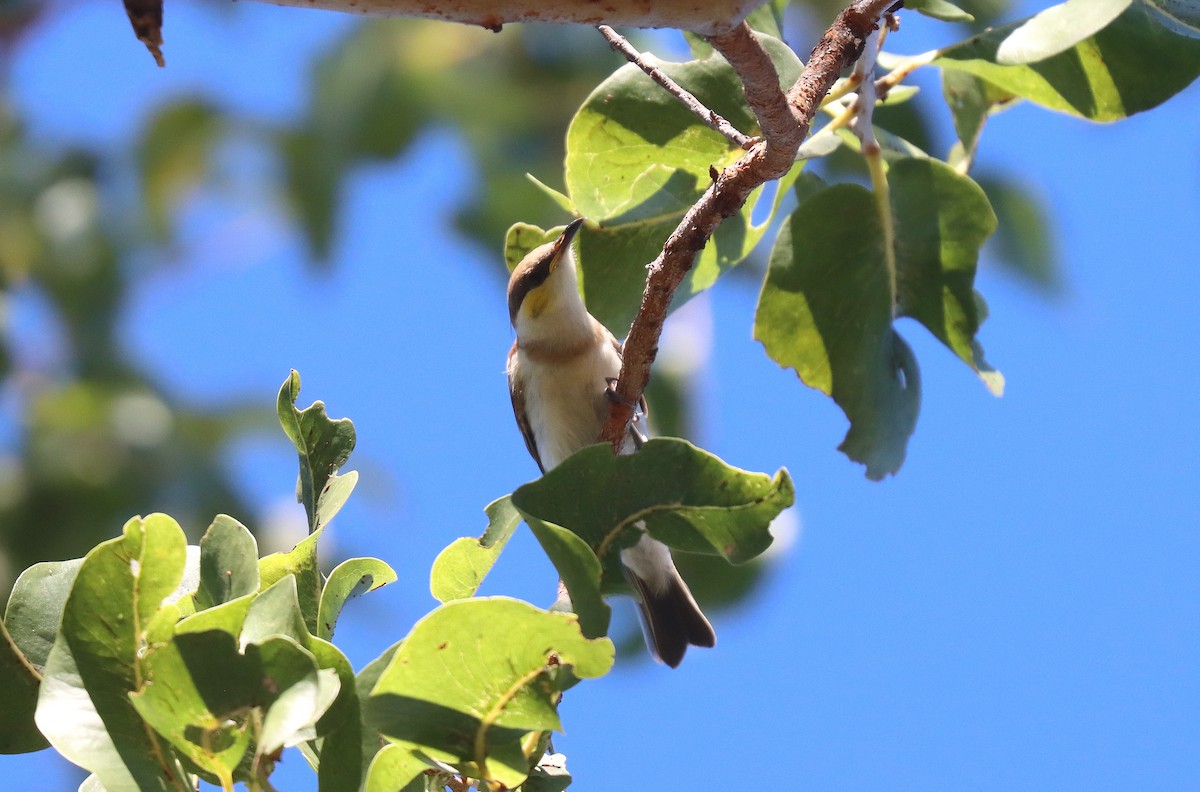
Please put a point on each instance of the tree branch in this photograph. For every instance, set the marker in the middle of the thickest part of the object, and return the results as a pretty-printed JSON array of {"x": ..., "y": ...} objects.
[
  {"x": 711, "y": 119},
  {"x": 769, "y": 159}
]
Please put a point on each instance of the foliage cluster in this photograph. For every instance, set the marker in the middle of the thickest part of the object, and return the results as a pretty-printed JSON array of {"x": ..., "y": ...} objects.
[{"x": 152, "y": 663}]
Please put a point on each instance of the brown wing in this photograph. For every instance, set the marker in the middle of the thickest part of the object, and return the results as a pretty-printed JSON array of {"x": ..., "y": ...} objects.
[{"x": 517, "y": 391}]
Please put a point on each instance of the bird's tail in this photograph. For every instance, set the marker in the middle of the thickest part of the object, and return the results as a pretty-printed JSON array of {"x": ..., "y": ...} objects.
[{"x": 670, "y": 617}]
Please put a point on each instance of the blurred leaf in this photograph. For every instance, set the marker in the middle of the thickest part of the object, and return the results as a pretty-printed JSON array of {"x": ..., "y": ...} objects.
[
  {"x": 460, "y": 568},
  {"x": 1102, "y": 78},
  {"x": 228, "y": 563},
  {"x": 939, "y": 9},
  {"x": 637, "y": 160},
  {"x": 83, "y": 708},
  {"x": 1057, "y": 29},
  {"x": 768, "y": 18},
  {"x": 1179, "y": 16},
  {"x": 513, "y": 654},
  {"x": 682, "y": 495},
  {"x": 826, "y": 306},
  {"x": 174, "y": 155},
  {"x": 324, "y": 446},
  {"x": 349, "y": 579},
  {"x": 1024, "y": 240},
  {"x": 18, "y": 699}
]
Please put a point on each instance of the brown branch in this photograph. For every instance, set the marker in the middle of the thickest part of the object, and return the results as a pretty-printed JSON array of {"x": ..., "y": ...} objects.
[
  {"x": 760, "y": 83},
  {"x": 769, "y": 159},
  {"x": 711, "y": 119}
]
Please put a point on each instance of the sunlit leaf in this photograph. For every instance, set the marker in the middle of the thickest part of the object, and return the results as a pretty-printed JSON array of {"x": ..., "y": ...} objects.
[
  {"x": 324, "y": 445},
  {"x": 637, "y": 160},
  {"x": 682, "y": 495},
  {"x": 351, "y": 578},
  {"x": 939, "y": 9},
  {"x": 83, "y": 707},
  {"x": 1057, "y": 29},
  {"x": 1103, "y": 78},
  {"x": 512, "y": 652},
  {"x": 460, "y": 568}
]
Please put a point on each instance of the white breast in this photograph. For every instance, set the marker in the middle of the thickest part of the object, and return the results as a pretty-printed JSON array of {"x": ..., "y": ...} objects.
[{"x": 564, "y": 400}]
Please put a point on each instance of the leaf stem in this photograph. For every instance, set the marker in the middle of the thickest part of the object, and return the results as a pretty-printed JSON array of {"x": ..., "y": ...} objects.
[{"x": 863, "y": 108}]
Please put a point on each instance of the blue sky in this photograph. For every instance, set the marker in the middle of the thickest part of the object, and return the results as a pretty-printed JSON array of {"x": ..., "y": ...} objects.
[{"x": 1018, "y": 609}]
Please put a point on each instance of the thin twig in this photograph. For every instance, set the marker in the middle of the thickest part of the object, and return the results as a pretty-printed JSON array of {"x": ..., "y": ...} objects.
[
  {"x": 863, "y": 125},
  {"x": 839, "y": 47},
  {"x": 711, "y": 119}
]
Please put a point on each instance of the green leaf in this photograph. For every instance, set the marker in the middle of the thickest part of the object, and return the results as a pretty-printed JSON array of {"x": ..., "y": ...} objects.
[
  {"x": 228, "y": 563},
  {"x": 83, "y": 707},
  {"x": 35, "y": 607},
  {"x": 349, "y": 579},
  {"x": 1179, "y": 16},
  {"x": 684, "y": 496},
  {"x": 1024, "y": 241},
  {"x": 826, "y": 308},
  {"x": 1057, "y": 29},
  {"x": 939, "y": 9},
  {"x": 324, "y": 446},
  {"x": 768, "y": 18},
  {"x": 459, "y": 570},
  {"x": 306, "y": 694},
  {"x": 971, "y": 101},
  {"x": 313, "y": 177},
  {"x": 301, "y": 563},
  {"x": 18, "y": 699},
  {"x": 476, "y": 676},
  {"x": 522, "y": 238},
  {"x": 942, "y": 220},
  {"x": 348, "y": 751},
  {"x": 227, "y": 617},
  {"x": 174, "y": 156},
  {"x": 637, "y": 160},
  {"x": 394, "y": 768},
  {"x": 580, "y": 571},
  {"x": 199, "y": 689},
  {"x": 549, "y": 776},
  {"x": 277, "y": 611},
  {"x": 1102, "y": 78}
]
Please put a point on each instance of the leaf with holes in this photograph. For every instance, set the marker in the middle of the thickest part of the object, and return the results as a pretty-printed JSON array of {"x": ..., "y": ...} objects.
[
  {"x": 459, "y": 570},
  {"x": 516, "y": 657},
  {"x": 324, "y": 446}
]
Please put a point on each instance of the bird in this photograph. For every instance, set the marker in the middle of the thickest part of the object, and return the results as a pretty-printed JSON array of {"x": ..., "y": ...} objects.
[{"x": 561, "y": 368}]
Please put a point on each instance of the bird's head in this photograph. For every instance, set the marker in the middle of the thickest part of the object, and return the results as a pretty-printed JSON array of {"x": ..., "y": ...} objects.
[{"x": 545, "y": 279}]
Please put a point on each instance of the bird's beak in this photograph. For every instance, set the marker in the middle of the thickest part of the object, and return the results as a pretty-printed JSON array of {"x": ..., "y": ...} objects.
[{"x": 563, "y": 243}]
